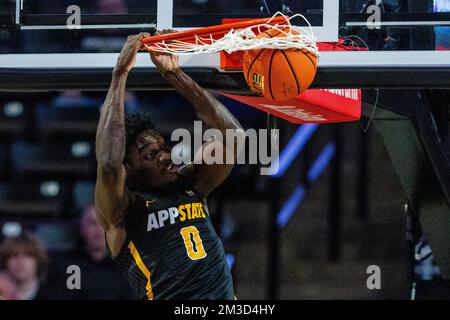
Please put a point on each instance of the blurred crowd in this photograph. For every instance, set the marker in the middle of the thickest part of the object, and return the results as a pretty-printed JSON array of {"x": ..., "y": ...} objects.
[
  {"x": 64, "y": 41},
  {"x": 28, "y": 271},
  {"x": 56, "y": 135},
  {"x": 47, "y": 176}
]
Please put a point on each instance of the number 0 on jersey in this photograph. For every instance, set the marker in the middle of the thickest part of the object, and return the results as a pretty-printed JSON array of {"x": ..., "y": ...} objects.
[{"x": 193, "y": 243}]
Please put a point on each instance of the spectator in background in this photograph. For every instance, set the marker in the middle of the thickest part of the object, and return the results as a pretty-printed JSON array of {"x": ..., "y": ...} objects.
[
  {"x": 25, "y": 260},
  {"x": 93, "y": 236},
  {"x": 74, "y": 99},
  {"x": 100, "y": 277},
  {"x": 112, "y": 7},
  {"x": 8, "y": 288},
  {"x": 109, "y": 40},
  {"x": 78, "y": 99}
]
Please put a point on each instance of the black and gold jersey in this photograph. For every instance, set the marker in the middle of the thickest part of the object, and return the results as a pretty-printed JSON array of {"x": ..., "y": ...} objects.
[{"x": 172, "y": 250}]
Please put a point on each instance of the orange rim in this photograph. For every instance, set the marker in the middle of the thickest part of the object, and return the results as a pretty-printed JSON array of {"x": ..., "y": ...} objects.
[{"x": 216, "y": 31}]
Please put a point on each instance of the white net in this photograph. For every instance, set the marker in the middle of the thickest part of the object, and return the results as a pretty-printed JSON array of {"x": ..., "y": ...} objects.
[{"x": 246, "y": 39}]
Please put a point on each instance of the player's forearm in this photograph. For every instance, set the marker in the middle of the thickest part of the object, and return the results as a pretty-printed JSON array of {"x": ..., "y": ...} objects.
[
  {"x": 208, "y": 108},
  {"x": 110, "y": 140}
]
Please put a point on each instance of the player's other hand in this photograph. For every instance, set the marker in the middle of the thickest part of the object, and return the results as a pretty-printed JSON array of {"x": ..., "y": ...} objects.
[
  {"x": 127, "y": 57},
  {"x": 165, "y": 62}
]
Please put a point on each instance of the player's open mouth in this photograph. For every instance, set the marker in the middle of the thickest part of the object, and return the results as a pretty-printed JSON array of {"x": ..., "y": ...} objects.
[{"x": 171, "y": 168}]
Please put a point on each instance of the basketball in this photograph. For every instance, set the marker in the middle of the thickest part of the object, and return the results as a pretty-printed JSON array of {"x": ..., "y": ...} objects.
[{"x": 276, "y": 74}]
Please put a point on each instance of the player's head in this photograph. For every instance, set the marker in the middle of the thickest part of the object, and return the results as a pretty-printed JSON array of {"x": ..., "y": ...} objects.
[
  {"x": 24, "y": 258},
  {"x": 147, "y": 159}
]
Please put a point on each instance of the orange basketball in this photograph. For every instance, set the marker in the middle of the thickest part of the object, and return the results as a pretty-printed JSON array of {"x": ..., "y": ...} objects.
[{"x": 279, "y": 74}]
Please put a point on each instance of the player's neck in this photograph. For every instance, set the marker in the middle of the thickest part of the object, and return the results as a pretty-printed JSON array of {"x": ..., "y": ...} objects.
[{"x": 146, "y": 189}]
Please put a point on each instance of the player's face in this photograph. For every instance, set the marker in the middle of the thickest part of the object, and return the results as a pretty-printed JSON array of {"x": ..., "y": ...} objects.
[{"x": 149, "y": 163}]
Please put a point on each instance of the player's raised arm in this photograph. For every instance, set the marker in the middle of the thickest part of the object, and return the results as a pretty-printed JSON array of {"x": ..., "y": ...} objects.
[
  {"x": 210, "y": 110},
  {"x": 111, "y": 199}
]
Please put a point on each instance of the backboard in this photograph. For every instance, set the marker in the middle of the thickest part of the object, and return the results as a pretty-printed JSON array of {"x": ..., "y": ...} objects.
[{"x": 401, "y": 34}]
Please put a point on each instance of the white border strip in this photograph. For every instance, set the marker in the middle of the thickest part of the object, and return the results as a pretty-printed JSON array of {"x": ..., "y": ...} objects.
[
  {"x": 92, "y": 26},
  {"x": 93, "y": 60},
  {"x": 341, "y": 59},
  {"x": 398, "y": 23},
  {"x": 164, "y": 15},
  {"x": 18, "y": 11},
  {"x": 329, "y": 32},
  {"x": 380, "y": 59}
]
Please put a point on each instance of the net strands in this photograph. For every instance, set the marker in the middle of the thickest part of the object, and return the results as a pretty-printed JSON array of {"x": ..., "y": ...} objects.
[
  {"x": 231, "y": 39},
  {"x": 218, "y": 30}
]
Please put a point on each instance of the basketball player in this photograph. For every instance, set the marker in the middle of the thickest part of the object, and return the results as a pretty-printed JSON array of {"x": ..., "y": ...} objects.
[{"x": 154, "y": 213}]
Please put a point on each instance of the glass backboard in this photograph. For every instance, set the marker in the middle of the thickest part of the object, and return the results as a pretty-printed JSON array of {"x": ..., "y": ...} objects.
[
  {"x": 49, "y": 26},
  {"x": 399, "y": 33}
]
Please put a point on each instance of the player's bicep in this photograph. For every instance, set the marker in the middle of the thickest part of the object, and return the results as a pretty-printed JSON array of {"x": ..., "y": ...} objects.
[
  {"x": 210, "y": 167},
  {"x": 111, "y": 198}
]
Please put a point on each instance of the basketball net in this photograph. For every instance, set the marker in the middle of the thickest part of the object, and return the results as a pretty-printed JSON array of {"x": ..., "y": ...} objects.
[{"x": 244, "y": 39}]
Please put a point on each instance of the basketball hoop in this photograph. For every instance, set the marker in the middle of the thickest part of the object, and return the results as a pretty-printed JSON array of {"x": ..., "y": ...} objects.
[{"x": 237, "y": 36}]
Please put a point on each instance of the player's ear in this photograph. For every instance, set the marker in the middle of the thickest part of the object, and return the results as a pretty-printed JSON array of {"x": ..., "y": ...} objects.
[{"x": 127, "y": 166}]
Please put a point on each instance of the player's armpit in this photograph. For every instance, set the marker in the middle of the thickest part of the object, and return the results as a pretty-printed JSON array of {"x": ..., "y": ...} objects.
[
  {"x": 112, "y": 202},
  {"x": 213, "y": 164},
  {"x": 111, "y": 198}
]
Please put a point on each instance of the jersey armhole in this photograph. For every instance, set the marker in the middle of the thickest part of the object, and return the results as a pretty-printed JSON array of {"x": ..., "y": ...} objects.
[
  {"x": 186, "y": 184},
  {"x": 128, "y": 218},
  {"x": 121, "y": 251}
]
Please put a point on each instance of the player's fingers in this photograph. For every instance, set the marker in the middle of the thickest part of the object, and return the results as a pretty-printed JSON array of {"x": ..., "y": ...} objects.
[
  {"x": 155, "y": 53},
  {"x": 165, "y": 31},
  {"x": 170, "y": 30},
  {"x": 144, "y": 35},
  {"x": 133, "y": 36},
  {"x": 134, "y": 40}
]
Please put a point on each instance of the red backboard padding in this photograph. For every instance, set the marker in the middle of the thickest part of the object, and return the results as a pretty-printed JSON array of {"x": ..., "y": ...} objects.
[{"x": 312, "y": 106}]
